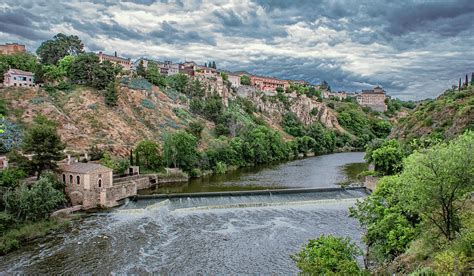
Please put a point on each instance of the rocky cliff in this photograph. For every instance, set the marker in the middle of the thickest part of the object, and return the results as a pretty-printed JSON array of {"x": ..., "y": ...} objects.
[{"x": 84, "y": 120}]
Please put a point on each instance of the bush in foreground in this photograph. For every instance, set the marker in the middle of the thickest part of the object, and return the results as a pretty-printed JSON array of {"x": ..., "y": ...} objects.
[{"x": 328, "y": 255}]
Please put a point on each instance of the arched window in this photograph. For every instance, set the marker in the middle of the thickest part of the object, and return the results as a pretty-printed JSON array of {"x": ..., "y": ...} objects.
[
  {"x": 64, "y": 178},
  {"x": 70, "y": 179},
  {"x": 100, "y": 183},
  {"x": 78, "y": 180}
]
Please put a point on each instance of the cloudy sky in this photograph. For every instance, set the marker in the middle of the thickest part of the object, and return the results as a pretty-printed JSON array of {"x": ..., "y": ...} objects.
[{"x": 414, "y": 49}]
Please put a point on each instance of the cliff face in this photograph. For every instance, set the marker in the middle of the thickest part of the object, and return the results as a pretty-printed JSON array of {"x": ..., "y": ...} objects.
[
  {"x": 84, "y": 120},
  {"x": 301, "y": 105},
  {"x": 445, "y": 117}
]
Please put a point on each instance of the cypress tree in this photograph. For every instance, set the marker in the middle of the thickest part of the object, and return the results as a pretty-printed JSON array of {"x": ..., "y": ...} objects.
[
  {"x": 459, "y": 86},
  {"x": 472, "y": 79},
  {"x": 467, "y": 81},
  {"x": 131, "y": 157},
  {"x": 205, "y": 64}
]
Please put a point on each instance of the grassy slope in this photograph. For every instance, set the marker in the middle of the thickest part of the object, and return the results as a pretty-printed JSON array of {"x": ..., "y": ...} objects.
[{"x": 445, "y": 117}]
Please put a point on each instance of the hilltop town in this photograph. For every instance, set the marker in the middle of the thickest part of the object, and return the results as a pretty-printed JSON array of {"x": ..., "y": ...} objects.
[{"x": 374, "y": 98}]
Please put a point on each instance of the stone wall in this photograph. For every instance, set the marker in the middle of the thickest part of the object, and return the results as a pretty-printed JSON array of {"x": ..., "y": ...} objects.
[
  {"x": 370, "y": 182},
  {"x": 109, "y": 197}
]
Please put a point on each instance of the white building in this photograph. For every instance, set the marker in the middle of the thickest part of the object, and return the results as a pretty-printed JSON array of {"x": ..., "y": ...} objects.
[{"x": 15, "y": 77}]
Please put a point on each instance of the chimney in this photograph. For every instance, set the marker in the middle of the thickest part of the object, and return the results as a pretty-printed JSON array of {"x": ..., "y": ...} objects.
[
  {"x": 115, "y": 53},
  {"x": 69, "y": 159},
  {"x": 86, "y": 156},
  {"x": 5, "y": 163}
]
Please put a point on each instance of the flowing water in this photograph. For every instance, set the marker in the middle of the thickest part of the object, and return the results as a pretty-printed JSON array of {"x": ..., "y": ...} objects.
[{"x": 245, "y": 234}]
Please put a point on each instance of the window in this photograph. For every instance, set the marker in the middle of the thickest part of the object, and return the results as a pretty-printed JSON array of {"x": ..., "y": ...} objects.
[
  {"x": 64, "y": 178},
  {"x": 70, "y": 179},
  {"x": 99, "y": 183},
  {"x": 78, "y": 180},
  {"x": 14, "y": 78}
]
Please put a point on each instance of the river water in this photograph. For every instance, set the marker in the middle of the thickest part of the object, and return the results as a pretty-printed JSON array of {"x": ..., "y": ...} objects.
[
  {"x": 245, "y": 234},
  {"x": 325, "y": 171}
]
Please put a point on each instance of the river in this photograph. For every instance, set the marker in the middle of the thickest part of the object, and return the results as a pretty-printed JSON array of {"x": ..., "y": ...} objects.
[{"x": 247, "y": 234}]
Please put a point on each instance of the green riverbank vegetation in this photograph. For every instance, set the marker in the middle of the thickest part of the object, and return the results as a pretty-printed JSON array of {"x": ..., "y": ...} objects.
[
  {"x": 420, "y": 217},
  {"x": 26, "y": 203}
]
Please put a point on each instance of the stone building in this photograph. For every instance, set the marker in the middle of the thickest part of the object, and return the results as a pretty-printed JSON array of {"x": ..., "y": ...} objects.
[
  {"x": 234, "y": 80},
  {"x": 126, "y": 63},
  {"x": 15, "y": 77},
  {"x": 340, "y": 95},
  {"x": 85, "y": 183},
  {"x": 374, "y": 98},
  {"x": 268, "y": 84},
  {"x": 12, "y": 48}
]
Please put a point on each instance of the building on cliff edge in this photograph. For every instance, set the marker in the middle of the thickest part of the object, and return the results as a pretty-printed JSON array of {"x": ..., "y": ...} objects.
[{"x": 373, "y": 98}]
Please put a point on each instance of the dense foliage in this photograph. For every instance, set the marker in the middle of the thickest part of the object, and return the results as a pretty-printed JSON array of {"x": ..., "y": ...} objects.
[
  {"x": 44, "y": 143},
  {"x": 445, "y": 117},
  {"x": 51, "y": 51},
  {"x": 426, "y": 203},
  {"x": 328, "y": 255},
  {"x": 22, "y": 61}
]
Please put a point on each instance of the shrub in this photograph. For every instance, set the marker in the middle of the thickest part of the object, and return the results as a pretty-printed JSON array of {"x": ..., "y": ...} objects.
[
  {"x": 328, "y": 255},
  {"x": 147, "y": 104},
  {"x": 35, "y": 203},
  {"x": 195, "y": 173},
  {"x": 220, "y": 168}
]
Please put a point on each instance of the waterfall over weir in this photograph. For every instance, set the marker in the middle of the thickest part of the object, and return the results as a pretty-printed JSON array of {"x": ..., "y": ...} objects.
[
  {"x": 244, "y": 233},
  {"x": 243, "y": 199}
]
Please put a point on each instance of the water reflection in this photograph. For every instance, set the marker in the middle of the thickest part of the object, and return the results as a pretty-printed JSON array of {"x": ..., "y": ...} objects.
[{"x": 314, "y": 172}]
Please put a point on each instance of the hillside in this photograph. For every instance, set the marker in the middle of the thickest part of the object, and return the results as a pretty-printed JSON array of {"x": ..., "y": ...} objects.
[
  {"x": 444, "y": 117},
  {"x": 85, "y": 120}
]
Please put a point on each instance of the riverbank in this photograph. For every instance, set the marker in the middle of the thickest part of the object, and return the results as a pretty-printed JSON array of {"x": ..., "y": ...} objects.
[{"x": 15, "y": 238}]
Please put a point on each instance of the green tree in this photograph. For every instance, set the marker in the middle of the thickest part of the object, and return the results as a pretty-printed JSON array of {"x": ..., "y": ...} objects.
[
  {"x": 154, "y": 76},
  {"x": 440, "y": 178},
  {"x": 51, "y": 51},
  {"x": 386, "y": 156},
  {"x": 178, "y": 82},
  {"x": 44, "y": 143},
  {"x": 245, "y": 80},
  {"x": 11, "y": 177},
  {"x": 148, "y": 151},
  {"x": 328, "y": 255},
  {"x": 195, "y": 128},
  {"x": 390, "y": 224},
  {"x": 33, "y": 203},
  {"x": 180, "y": 150},
  {"x": 141, "y": 69},
  {"x": 110, "y": 94},
  {"x": 86, "y": 69}
]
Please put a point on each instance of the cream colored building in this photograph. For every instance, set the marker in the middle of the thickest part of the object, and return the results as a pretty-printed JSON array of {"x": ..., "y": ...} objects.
[
  {"x": 15, "y": 77},
  {"x": 234, "y": 80},
  {"x": 86, "y": 182},
  {"x": 126, "y": 63},
  {"x": 374, "y": 98}
]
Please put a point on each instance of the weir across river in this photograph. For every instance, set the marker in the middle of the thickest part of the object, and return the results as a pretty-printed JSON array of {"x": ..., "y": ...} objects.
[{"x": 226, "y": 232}]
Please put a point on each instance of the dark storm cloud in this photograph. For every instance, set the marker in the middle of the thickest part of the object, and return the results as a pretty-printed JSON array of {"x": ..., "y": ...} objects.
[
  {"x": 171, "y": 35},
  {"x": 20, "y": 22},
  {"x": 246, "y": 24},
  {"x": 412, "y": 48}
]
